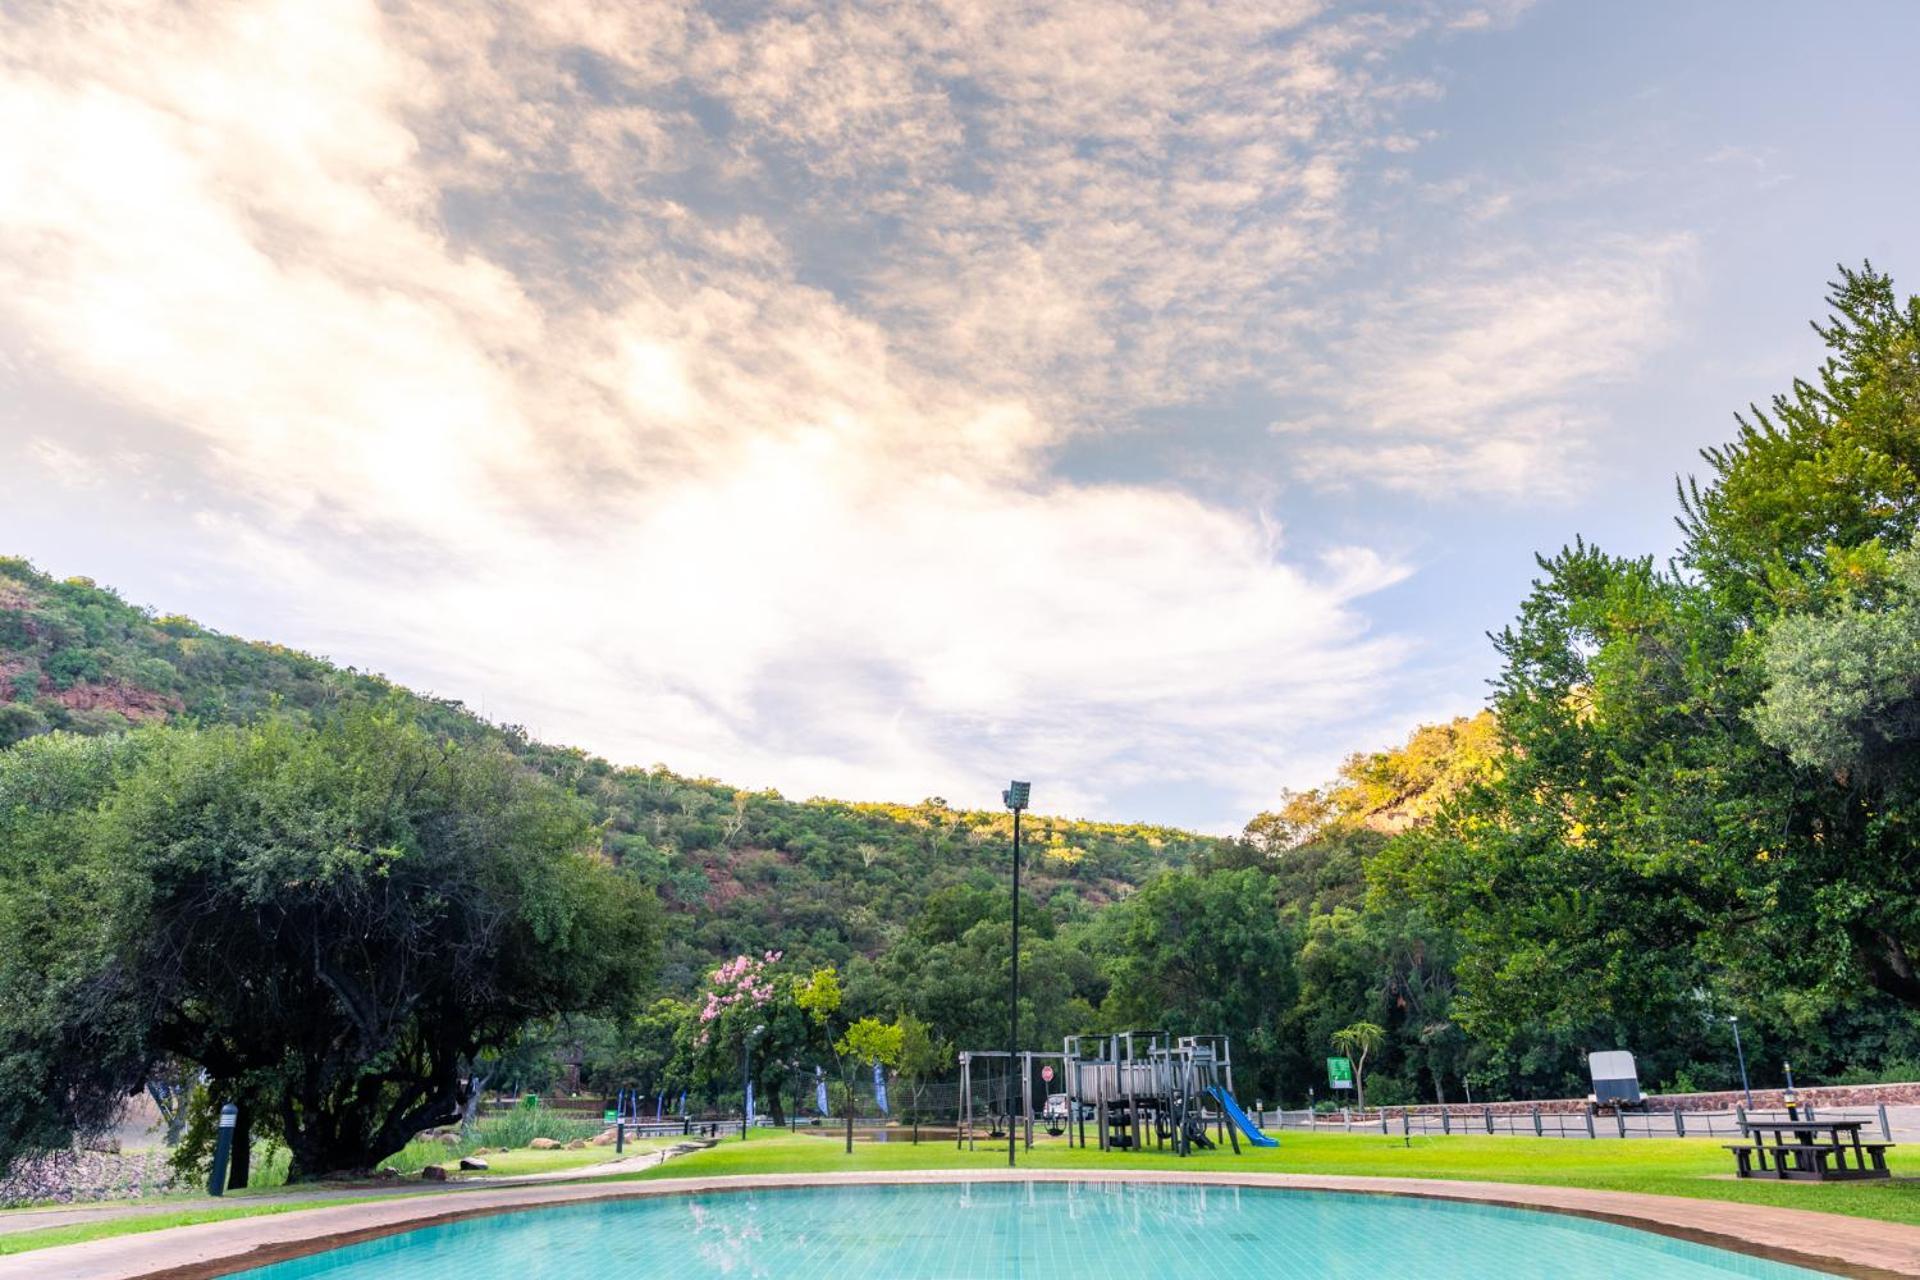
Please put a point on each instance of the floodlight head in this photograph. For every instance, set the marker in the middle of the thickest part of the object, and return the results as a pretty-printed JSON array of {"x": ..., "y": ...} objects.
[{"x": 1015, "y": 796}]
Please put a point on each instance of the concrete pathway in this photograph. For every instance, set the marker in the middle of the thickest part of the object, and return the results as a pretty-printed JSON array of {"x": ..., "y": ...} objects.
[
  {"x": 13, "y": 1221},
  {"x": 1828, "y": 1242}
]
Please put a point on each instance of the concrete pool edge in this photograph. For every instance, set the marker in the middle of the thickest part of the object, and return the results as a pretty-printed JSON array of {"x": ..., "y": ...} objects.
[{"x": 1831, "y": 1243}]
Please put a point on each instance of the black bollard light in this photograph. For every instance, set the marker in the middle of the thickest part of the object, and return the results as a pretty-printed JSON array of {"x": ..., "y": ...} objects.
[{"x": 222, "y": 1150}]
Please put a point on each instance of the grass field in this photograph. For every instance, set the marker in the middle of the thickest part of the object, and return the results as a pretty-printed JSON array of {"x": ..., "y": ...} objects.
[
  {"x": 1693, "y": 1167},
  {"x": 515, "y": 1164},
  {"x": 80, "y": 1232}
]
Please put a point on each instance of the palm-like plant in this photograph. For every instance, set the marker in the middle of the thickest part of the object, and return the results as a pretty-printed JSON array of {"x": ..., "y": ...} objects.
[{"x": 1357, "y": 1041}]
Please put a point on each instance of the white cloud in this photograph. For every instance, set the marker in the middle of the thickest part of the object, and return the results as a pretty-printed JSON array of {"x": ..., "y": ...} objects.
[{"x": 692, "y": 380}]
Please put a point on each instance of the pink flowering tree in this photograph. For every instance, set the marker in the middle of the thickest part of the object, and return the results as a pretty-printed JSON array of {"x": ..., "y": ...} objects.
[
  {"x": 748, "y": 1002},
  {"x": 740, "y": 986}
]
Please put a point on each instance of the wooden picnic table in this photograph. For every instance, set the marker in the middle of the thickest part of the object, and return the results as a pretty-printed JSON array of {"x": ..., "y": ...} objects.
[{"x": 1809, "y": 1155}]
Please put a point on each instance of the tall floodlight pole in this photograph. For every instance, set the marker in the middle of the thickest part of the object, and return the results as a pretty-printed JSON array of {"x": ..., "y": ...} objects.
[
  {"x": 1733, "y": 1020},
  {"x": 1015, "y": 797}
]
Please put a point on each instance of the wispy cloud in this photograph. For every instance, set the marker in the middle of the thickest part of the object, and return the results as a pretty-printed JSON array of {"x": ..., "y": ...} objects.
[
  {"x": 690, "y": 377},
  {"x": 1476, "y": 382}
]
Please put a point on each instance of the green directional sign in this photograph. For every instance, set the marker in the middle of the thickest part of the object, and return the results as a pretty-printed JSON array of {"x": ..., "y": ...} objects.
[
  {"x": 1340, "y": 1072},
  {"x": 610, "y": 1117}
]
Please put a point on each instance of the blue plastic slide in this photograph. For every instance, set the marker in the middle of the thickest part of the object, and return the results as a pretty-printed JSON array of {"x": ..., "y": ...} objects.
[{"x": 1242, "y": 1120}]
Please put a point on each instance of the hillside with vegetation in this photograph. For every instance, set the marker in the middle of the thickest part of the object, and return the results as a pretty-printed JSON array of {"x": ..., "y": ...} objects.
[
  {"x": 1693, "y": 797},
  {"x": 739, "y": 870}
]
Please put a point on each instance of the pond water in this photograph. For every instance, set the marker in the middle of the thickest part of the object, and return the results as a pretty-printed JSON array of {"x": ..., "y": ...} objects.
[{"x": 1099, "y": 1230}]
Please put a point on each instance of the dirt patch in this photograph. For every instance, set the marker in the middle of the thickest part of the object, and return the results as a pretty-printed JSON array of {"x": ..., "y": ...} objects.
[
  {"x": 722, "y": 888},
  {"x": 129, "y": 700}
]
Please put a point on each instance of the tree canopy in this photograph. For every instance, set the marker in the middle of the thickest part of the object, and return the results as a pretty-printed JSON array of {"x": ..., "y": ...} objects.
[
  {"x": 1706, "y": 800},
  {"x": 331, "y": 921}
]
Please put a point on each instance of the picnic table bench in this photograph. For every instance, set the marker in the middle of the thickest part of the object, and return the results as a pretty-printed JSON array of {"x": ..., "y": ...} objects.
[{"x": 1800, "y": 1151}]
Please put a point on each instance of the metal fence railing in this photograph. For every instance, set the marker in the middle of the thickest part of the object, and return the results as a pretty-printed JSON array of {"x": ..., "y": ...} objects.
[
  {"x": 938, "y": 1106},
  {"x": 1536, "y": 1122}
]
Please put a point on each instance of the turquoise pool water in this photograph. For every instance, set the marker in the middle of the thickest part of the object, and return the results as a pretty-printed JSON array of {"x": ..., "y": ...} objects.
[{"x": 1104, "y": 1231}]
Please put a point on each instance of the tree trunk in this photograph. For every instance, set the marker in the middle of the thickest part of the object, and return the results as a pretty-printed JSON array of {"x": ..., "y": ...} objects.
[
  {"x": 240, "y": 1164},
  {"x": 846, "y": 1082},
  {"x": 350, "y": 1132},
  {"x": 471, "y": 1112},
  {"x": 775, "y": 1105},
  {"x": 171, "y": 1101}
]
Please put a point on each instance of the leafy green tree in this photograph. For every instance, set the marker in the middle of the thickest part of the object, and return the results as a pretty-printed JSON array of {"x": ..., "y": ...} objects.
[
  {"x": 641, "y": 1053},
  {"x": 923, "y": 1058},
  {"x": 1703, "y": 791},
  {"x": 525, "y": 1062},
  {"x": 1843, "y": 689},
  {"x": 820, "y": 997},
  {"x": 871, "y": 1040},
  {"x": 1357, "y": 1041},
  {"x": 72, "y": 1041},
  {"x": 1208, "y": 954},
  {"x": 867, "y": 1041},
  {"x": 335, "y": 922}
]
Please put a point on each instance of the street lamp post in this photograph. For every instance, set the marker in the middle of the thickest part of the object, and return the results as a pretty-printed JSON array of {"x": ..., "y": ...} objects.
[
  {"x": 1015, "y": 797},
  {"x": 1733, "y": 1020},
  {"x": 746, "y": 1079}
]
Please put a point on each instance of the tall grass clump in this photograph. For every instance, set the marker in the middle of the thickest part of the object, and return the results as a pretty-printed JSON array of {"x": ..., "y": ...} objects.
[{"x": 515, "y": 1128}]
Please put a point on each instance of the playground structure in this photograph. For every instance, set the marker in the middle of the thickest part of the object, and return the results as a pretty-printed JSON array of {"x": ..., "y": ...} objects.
[{"x": 1136, "y": 1087}]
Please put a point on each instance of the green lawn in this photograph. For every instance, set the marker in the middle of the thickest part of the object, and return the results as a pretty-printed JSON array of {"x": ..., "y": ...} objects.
[
  {"x": 1695, "y": 1167},
  {"x": 79, "y": 1232},
  {"x": 514, "y": 1164}
]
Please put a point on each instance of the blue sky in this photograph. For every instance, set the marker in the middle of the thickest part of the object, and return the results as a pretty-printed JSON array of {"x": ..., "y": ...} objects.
[{"x": 1157, "y": 400}]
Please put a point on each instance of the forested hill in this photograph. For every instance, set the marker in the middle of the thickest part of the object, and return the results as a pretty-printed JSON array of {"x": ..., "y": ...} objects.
[{"x": 745, "y": 870}]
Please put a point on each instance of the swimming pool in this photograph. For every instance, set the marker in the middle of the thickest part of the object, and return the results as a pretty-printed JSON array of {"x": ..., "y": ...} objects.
[{"x": 1105, "y": 1230}]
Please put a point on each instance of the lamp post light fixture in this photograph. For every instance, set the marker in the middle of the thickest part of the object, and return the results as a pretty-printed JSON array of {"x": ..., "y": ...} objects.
[
  {"x": 1015, "y": 798},
  {"x": 1733, "y": 1020}
]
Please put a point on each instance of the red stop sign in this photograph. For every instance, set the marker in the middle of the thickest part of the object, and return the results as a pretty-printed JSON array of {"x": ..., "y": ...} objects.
[{"x": 1046, "y": 1073}]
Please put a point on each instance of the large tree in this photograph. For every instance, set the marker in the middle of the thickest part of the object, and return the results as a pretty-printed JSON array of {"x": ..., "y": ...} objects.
[
  {"x": 71, "y": 1042},
  {"x": 1705, "y": 793},
  {"x": 1208, "y": 955},
  {"x": 334, "y": 922}
]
